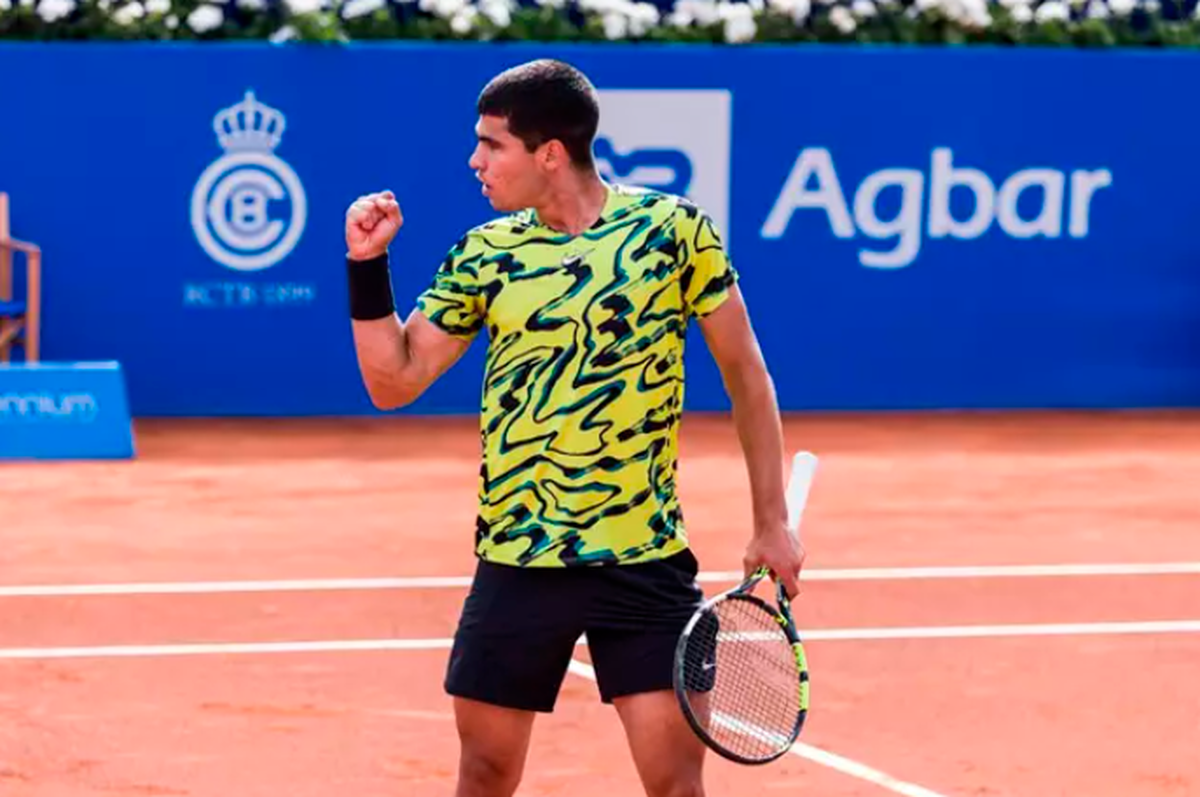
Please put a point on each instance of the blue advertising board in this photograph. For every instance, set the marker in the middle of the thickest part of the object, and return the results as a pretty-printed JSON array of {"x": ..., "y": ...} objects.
[
  {"x": 915, "y": 228},
  {"x": 64, "y": 411}
]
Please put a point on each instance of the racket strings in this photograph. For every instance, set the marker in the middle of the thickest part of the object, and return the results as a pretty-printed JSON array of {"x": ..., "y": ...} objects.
[{"x": 741, "y": 679}]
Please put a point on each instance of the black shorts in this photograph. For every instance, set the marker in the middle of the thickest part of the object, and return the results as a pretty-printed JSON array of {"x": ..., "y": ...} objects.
[{"x": 519, "y": 627}]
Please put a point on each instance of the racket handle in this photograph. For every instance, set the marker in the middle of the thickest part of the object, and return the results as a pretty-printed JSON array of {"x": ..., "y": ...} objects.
[{"x": 751, "y": 581}]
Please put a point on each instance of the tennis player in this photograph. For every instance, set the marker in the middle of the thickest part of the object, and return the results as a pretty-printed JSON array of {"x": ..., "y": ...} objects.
[{"x": 585, "y": 289}]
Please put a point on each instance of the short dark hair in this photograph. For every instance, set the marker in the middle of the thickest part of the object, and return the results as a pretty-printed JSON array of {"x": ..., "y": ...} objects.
[{"x": 544, "y": 100}]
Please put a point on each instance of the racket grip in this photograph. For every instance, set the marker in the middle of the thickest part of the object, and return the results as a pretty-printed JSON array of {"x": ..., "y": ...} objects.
[
  {"x": 752, "y": 580},
  {"x": 781, "y": 595}
]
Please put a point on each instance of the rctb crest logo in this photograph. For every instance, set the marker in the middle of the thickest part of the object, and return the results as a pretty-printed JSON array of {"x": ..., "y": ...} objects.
[{"x": 248, "y": 208}]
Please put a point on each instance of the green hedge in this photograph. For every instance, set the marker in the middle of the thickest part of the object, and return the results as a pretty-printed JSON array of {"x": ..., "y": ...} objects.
[{"x": 1048, "y": 23}]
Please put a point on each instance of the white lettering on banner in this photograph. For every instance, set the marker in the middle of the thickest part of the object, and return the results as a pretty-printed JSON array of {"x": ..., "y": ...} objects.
[
  {"x": 35, "y": 406},
  {"x": 246, "y": 294},
  {"x": 992, "y": 205}
]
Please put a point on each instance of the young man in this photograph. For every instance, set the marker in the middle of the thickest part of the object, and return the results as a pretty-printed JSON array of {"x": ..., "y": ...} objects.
[{"x": 585, "y": 290}]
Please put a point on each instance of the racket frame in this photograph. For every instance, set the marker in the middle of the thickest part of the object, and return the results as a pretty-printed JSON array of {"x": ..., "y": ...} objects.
[{"x": 782, "y": 614}]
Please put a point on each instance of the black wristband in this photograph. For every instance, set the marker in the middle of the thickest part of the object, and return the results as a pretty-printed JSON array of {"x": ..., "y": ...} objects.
[{"x": 370, "y": 288}]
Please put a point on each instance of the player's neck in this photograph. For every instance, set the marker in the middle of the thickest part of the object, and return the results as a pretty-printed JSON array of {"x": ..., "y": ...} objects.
[{"x": 574, "y": 203}]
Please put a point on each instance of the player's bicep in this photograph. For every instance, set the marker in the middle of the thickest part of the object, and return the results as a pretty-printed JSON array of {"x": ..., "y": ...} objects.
[
  {"x": 731, "y": 340},
  {"x": 431, "y": 349}
]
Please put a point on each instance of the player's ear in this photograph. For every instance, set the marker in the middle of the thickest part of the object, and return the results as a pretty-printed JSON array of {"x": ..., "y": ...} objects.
[{"x": 554, "y": 155}]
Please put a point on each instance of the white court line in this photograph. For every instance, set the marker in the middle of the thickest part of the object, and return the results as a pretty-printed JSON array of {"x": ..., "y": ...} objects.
[
  {"x": 825, "y": 634},
  {"x": 860, "y": 771},
  {"x": 719, "y": 576},
  {"x": 836, "y": 762}
]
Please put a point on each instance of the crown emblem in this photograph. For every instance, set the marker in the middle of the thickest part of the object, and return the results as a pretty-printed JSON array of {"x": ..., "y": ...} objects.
[{"x": 249, "y": 126}]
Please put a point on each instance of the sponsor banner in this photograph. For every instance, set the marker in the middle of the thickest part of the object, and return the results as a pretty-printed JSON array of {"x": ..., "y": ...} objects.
[
  {"x": 1006, "y": 240},
  {"x": 64, "y": 411}
]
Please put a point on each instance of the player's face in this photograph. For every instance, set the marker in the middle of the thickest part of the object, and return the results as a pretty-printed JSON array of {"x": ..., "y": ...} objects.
[{"x": 511, "y": 176}]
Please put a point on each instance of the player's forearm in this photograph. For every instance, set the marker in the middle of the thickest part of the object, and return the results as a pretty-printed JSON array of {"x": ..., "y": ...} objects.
[
  {"x": 760, "y": 430},
  {"x": 384, "y": 361}
]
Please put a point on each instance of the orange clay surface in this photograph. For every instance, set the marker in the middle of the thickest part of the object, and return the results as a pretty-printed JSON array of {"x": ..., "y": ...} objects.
[{"x": 1097, "y": 712}]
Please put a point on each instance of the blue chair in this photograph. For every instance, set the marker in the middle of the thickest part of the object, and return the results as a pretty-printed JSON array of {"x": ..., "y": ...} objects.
[{"x": 19, "y": 319}]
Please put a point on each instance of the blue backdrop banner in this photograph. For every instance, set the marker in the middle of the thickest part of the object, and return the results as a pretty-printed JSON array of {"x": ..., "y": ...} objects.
[{"x": 914, "y": 228}]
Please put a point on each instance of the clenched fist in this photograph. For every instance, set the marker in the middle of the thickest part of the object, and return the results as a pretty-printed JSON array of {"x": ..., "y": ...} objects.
[{"x": 371, "y": 224}]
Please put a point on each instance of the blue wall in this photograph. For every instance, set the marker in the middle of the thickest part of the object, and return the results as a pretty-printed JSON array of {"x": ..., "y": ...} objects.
[{"x": 869, "y": 284}]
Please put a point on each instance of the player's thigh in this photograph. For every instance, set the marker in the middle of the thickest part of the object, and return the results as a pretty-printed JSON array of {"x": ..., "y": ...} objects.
[
  {"x": 515, "y": 637},
  {"x": 636, "y": 616},
  {"x": 668, "y": 755},
  {"x": 494, "y": 744}
]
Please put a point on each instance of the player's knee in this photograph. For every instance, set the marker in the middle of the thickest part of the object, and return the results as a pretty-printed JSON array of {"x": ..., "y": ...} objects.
[
  {"x": 481, "y": 774},
  {"x": 678, "y": 786}
]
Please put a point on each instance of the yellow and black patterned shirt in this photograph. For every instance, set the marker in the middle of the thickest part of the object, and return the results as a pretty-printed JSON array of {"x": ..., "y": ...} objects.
[{"x": 583, "y": 386}]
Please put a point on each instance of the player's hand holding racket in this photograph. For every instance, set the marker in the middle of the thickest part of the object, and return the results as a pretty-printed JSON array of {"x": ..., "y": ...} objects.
[
  {"x": 741, "y": 674},
  {"x": 372, "y": 221}
]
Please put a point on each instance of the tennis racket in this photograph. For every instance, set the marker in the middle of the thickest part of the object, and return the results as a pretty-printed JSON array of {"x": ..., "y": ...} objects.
[{"x": 741, "y": 675}]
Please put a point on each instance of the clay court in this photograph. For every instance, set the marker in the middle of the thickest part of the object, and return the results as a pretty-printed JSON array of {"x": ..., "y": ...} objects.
[{"x": 995, "y": 606}]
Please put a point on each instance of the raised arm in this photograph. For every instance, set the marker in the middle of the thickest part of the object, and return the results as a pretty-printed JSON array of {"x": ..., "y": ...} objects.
[{"x": 398, "y": 359}]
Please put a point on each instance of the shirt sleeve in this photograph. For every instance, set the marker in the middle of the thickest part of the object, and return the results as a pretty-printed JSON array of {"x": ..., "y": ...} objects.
[
  {"x": 707, "y": 272},
  {"x": 453, "y": 301}
]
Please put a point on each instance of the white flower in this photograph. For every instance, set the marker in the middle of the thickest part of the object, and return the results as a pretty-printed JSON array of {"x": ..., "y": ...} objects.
[
  {"x": 798, "y": 10},
  {"x": 680, "y": 19},
  {"x": 286, "y": 33},
  {"x": 128, "y": 14},
  {"x": 598, "y": 6},
  {"x": 446, "y": 9},
  {"x": 1152, "y": 6},
  {"x": 464, "y": 20},
  {"x": 1122, "y": 8},
  {"x": 158, "y": 6},
  {"x": 863, "y": 9},
  {"x": 552, "y": 3},
  {"x": 1021, "y": 14},
  {"x": 103, "y": 5},
  {"x": 205, "y": 18},
  {"x": 842, "y": 19},
  {"x": 642, "y": 17},
  {"x": 498, "y": 11},
  {"x": 703, "y": 12},
  {"x": 1052, "y": 11},
  {"x": 740, "y": 28},
  {"x": 354, "y": 9},
  {"x": 976, "y": 14},
  {"x": 1098, "y": 10},
  {"x": 172, "y": 22},
  {"x": 616, "y": 25},
  {"x": 1196, "y": 13},
  {"x": 302, "y": 7},
  {"x": 252, "y": 5},
  {"x": 1011, "y": 4},
  {"x": 54, "y": 10},
  {"x": 5, "y": 5}
]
